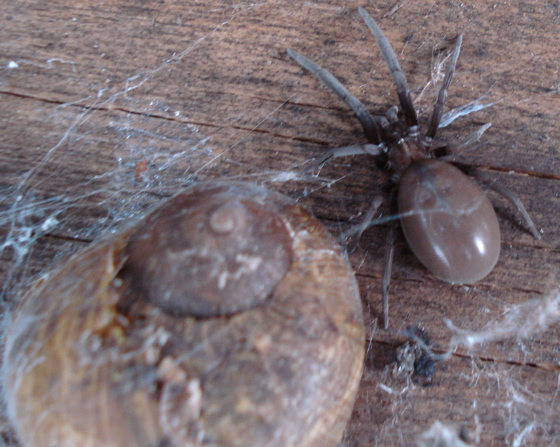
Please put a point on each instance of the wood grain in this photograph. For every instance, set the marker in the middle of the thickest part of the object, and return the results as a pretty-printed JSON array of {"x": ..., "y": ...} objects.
[{"x": 109, "y": 107}]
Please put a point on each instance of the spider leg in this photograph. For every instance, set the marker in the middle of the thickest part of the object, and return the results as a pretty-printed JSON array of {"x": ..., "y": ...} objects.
[
  {"x": 393, "y": 64},
  {"x": 387, "y": 271},
  {"x": 366, "y": 222},
  {"x": 509, "y": 195},
  {"x": 369, "y": 123},
  {"x": 442, "y": 96},
  {"x": 344, "y": 151}
]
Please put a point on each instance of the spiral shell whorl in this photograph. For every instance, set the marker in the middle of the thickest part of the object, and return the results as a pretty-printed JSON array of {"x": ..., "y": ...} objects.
[
  {"x": 90, "y": 361},
  {"x": 209, "y": 255}
]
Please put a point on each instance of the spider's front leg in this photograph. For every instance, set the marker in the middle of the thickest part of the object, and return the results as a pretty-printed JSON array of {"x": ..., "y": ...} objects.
[
  {"x": 372, "y": 125},
  {"x": 393, "y": 64}
]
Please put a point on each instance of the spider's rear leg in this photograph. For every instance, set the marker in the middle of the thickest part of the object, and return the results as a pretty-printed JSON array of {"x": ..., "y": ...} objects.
[
  {"x": 509, "y": 195},
  {"x": 367, "y": 221},
  {"x": 393, "y": 64},
  {"x": 370, "y": 123},
  {"x": 357, "y": 230}
]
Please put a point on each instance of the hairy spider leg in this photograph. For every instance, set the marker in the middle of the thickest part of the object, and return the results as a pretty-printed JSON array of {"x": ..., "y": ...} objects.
[
  {"x": 509, "y": 195},
  {"x": 393, "y": 64},
  {"x": 437, "y": 113},
  {"x": 369, "y": 123},
  {"x": 367, "y": 222}
]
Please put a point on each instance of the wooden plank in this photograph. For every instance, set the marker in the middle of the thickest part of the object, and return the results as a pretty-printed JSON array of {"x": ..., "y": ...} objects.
[{"x": 107, "y": 108}]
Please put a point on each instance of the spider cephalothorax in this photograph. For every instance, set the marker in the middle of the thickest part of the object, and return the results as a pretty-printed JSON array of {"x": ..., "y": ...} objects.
[{"x": 447, "y": 219}]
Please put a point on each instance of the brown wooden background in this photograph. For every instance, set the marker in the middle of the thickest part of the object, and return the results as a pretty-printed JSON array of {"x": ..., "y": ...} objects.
[{"x": 108, "y": 107}]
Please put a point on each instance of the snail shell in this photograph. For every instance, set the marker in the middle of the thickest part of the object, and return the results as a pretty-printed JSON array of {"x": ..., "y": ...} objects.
[{"x": 226, "y": 317}]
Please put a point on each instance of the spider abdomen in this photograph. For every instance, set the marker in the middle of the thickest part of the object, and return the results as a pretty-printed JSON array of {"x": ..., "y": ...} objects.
[{"x": 448, "y": 221}]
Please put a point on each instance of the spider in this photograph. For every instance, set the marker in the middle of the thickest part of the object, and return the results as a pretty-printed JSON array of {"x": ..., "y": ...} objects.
[{"x": 447, "y": 219}]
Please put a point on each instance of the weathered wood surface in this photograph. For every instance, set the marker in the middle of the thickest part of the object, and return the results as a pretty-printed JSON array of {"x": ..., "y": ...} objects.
[{"x": 108, "y": 107}]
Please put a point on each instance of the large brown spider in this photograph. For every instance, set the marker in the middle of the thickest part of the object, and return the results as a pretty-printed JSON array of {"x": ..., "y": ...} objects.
[{"x": 447, "y": 219}]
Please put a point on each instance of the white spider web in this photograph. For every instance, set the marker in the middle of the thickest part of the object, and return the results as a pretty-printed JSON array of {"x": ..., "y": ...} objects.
[{"x": 157, "y": 157}]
